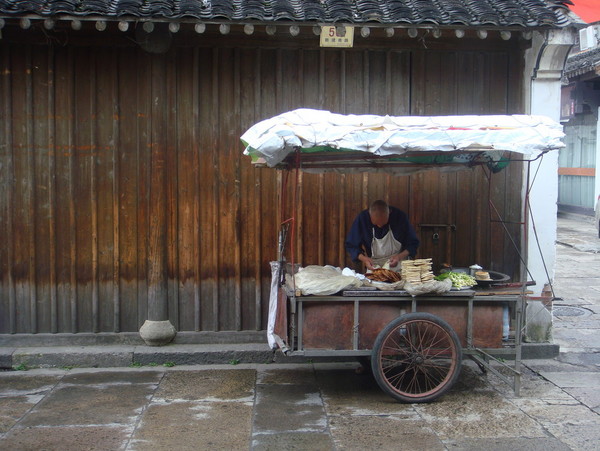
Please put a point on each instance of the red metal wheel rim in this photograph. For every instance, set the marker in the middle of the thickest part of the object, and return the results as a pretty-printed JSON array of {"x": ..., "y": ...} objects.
[{"x": 418, "y": 358}]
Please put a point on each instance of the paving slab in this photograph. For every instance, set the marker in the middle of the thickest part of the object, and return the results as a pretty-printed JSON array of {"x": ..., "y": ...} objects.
[
  {"x": 92, "y": 438},
  {"x": 13, "y": 408},
  {"x": 547, "y": 413},
  {"x": 19, "y": 393},
  {"x": 581, "y": 379},
  {"x": 288, "y": 408},
  {"x": 90, "y": 405},
  {"x": 507, "y": 444},
  {"x": 302, "y": 375},
  {"x": 581, "y": 360},
  {"x": 532, "y": 387},
  {"x": 192, "y": 426},
  {"x": 314, "y": 441},
  {"x": 483, "y": 414},
  {"x": 382, "y": 432},
  {"x": 588, "y": 396},
  {"x": 347, "y": 393},
  {"x": 105, "y": 378},
  {"x": 208, "y": 385},
  {"x": 584, "y": 437},
  {"x": 579, "y": 340},
  {"x": 26, "y": 383}
]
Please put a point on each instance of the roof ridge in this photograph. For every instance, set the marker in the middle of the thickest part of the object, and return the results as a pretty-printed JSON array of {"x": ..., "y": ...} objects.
[{"x": 474, "y": 13}]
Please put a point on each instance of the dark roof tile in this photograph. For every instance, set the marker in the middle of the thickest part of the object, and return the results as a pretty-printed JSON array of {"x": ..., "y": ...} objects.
[
  {"x": 583, "y": 62},
  {"x": 503, "y": 13}
]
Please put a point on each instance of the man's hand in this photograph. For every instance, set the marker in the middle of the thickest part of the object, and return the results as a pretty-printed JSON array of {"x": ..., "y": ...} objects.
[
  {"x": 397, "y": 258},
  {"x": 394, "y": 260},
  {"x": 367, "y": 261}
]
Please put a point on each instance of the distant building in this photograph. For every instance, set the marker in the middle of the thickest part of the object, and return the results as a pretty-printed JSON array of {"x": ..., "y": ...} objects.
[{"x": 579, "y": 185}]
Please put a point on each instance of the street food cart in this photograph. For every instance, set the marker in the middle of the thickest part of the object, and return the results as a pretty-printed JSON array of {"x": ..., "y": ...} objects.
[{"x": 415, "y": 342}]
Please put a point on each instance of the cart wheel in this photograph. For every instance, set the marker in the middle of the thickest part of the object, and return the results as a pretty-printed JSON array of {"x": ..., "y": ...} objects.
[{"x": 416, "y": 358}]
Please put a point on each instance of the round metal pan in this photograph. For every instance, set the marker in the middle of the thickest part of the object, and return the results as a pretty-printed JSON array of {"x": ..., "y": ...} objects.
[{"x": 496, "y": 277}]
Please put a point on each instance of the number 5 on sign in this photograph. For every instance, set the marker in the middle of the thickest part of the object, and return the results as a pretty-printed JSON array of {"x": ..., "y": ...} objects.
[{"x": 332, "y": 36}]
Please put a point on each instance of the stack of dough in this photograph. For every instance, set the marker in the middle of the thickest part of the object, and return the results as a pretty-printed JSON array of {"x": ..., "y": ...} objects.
[
  {"x": 482, "y": 275},
  {"x": 416, "y": 271}
]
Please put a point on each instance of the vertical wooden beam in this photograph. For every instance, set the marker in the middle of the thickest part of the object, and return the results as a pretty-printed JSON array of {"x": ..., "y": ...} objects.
[
  {"x": 342, "y": 221},
  {"x": 281, "y": 212},
  {"x": 143, "y": 163},
  {"x": 215, "y": 204},
  {"x": 106, "y": 185},
  {"x": 258, "y": 205},
  {"x": 31, "y": 220},
  {"x": 278, "y": 82},
  {"x": 208, "y": 187},
  {"x": 116, "y": 133},
  {"x": 197, "y": 200},
  {"x": 71, "y": 194},
  {"x": 320, "y": 203},
  {"x": 127, "y": 136},
  {"x": 93, "y": 189},
  {"x": 184, "y": 178},
  {"x": 52, "y": 192},
  {"x": 388, "y": 82},
  {"x": 157, "y": 255},
  {"x": 171, "y": 156},
  {"x": 341, "y": 232},
  {"x": 342, "y": 87},
  {"x": 7, "y": 189},
  {"x": 237, "y": 258},
  {"x": 367, "y": 105},
  {"x": 299, "y": 210}
]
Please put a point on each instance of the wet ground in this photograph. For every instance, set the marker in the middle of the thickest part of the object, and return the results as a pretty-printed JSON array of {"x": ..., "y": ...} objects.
[{"x": 260, "y": 407}]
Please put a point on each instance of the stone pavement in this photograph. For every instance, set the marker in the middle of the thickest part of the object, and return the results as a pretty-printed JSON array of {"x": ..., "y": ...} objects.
[
  {"x": 576, "y": 325},
  {"x": 280, "y": 407},
  {"x": 324, "y": 406}
]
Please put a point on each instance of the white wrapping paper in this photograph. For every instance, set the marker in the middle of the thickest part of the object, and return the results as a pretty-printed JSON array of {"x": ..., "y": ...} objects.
[{"x": 275, "y": 138}]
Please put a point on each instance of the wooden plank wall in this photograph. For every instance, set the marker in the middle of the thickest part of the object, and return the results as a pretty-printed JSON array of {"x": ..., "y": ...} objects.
[{"x": 121, "y": 175}]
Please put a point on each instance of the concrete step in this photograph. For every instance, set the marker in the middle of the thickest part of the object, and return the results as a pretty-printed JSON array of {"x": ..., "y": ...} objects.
[
  {"x": 126, "y": 355},
  {"x": 109, "y": 356}
]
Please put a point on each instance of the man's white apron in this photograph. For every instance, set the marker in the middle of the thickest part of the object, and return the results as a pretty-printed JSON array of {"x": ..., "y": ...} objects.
[{"x": 383, "y": 248}]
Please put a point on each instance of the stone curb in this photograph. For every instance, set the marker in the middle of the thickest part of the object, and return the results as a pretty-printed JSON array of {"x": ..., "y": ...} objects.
[{"x": 125, "y": 356}]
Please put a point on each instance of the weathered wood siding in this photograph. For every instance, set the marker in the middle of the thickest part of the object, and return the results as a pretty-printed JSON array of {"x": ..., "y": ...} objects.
[{"x": 121, "y": 172}]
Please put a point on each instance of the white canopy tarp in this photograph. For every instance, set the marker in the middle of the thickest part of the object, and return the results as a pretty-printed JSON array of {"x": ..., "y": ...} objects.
[{"x": 312, "y": 130}]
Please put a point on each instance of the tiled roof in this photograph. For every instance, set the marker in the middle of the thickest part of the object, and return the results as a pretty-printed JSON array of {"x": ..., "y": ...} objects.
[
  {"x": 583, "y": 62},
  {"x": 503, "y": 13}
]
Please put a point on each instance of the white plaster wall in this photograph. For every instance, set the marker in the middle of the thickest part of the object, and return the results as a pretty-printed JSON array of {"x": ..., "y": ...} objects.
[
  {"x": 543, "y": 194},
  {"x": 544, "y": 65}
]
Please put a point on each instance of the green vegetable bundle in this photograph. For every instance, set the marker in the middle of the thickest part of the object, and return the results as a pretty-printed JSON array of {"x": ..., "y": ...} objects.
[{"x": 459, "y": 279}]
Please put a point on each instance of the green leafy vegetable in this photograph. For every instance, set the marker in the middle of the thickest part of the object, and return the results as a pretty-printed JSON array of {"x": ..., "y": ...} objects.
[{"x": 459, "y": 280}]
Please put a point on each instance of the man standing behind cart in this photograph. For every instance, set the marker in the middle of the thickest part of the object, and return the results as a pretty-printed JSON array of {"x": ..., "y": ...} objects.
[{"x": 381, "y": 234}]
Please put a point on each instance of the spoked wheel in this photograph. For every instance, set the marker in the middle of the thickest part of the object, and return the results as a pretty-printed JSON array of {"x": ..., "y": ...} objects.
[{"x": 416, "y": 358}]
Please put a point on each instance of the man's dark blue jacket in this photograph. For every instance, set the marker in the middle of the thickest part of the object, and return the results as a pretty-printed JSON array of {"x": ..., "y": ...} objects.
[{"x": 361, "y": 233}]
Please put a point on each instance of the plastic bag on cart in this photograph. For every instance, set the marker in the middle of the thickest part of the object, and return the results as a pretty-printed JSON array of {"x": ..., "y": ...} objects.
[
  {"x": 431, "y": 287},
  {"x": 273, "y": 340},
  {"x": 384, "y": 286},
  {"x": 323, "y": 280}
]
